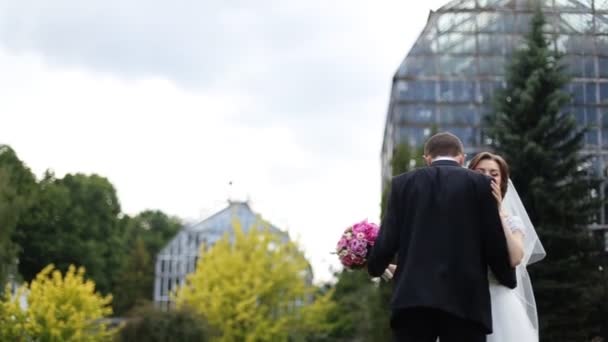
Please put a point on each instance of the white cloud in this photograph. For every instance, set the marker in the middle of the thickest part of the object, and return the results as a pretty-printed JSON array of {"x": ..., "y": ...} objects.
[{"x": 171, "y": 101}]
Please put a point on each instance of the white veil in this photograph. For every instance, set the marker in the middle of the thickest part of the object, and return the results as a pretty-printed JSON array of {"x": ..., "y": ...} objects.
[{"x": 533, "y": 252}]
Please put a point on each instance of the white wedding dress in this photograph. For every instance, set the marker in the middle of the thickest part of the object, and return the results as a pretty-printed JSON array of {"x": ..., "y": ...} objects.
[
  {"x": 510, "y": 320},
  {"x": 514, "y": 315}
]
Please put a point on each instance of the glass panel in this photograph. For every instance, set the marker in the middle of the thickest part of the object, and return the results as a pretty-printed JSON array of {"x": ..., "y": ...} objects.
[
  {"x": 576, "y": 23},
  {"x": 415, "y": 136},
  {"x": 571, "y": 3},
  {"x": 604, "y": 117},
  {"x": 603, "y": 93},
  {"x": 418, "y": 66},
  {"x": 416, "y": 113},
  {"x": 592, "y": 114},
  {"x": 605, "y": 134},
  {"x": 603, "y": 66},
  {"x": 423, "y": 46},
  {"x": 456, "y": 43},
  {"x": 462, "y": 22},
  {"x": 490, "y": 22},
  {"x": 470, "y": 136},
  {"x": 467, "y": 4},
  {"x": 591, "y": 138},
  {"x": 601, "y": 23},
  {"x": 562, "y": 42},
  {"x": 488, "y": 90},
  {"x": 578, "y": 93},
  {"x": 456, "y": 91},
  {"x": 463, "y": 90},
  {"x": 522, "y": 23},
  {"x": 601, "y": 5},
  {"x": 445, "y": 91},
  {"x": 459, "y": 115},
  {"x": 509, "y": 23},
  {"x": 590, "y": 94},
  {"x": 450, "y": 65},
  {"x": 579, "y": 115},
  {"x": 491, "y": 66},
  {"x": 514, "y": 43},
  {"x": 589, "y": 64},
  {"x": 575, "y": 44},
  {"x": 415, "y": 90},
  {"x": 601, "y": 43},
  {"x": 574, "y": 66},
  {"x": 491, "y": 43},
  {"x": 495, "y": 3}
]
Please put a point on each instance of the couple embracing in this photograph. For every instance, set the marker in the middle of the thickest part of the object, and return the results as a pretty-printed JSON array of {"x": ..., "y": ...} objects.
[{"x": 462, "y": 240}]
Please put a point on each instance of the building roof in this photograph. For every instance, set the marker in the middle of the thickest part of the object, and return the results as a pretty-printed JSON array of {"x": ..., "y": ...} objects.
[{"x": 221, "y": 223}]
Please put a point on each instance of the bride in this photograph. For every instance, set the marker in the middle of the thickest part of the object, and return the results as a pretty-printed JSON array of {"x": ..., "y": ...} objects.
[{"x": 514, "y": 314}]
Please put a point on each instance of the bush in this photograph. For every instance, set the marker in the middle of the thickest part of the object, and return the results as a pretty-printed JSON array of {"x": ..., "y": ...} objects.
[{"x": 147, "y": 323}]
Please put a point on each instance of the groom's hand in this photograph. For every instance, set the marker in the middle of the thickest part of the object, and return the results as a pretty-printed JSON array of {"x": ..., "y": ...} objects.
[{"x": 389, "y": 273}]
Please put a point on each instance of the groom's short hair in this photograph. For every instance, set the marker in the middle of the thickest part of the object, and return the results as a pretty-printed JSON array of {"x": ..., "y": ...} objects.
[{"x": 443, "y": 144}]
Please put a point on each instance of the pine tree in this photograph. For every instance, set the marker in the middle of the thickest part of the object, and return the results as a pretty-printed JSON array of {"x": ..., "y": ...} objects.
[{"x": 541, "y": 143}]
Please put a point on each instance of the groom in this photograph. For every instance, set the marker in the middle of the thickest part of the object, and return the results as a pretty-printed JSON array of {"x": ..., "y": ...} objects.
[{"x": 443, "y": 225}]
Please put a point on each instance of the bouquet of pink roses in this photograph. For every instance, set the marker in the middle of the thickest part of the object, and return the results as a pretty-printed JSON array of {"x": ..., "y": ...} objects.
[{"x": 355, "y": 242}]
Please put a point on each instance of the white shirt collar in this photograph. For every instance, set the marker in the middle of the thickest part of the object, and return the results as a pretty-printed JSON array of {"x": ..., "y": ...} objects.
[{"x": 444, "y": 158}]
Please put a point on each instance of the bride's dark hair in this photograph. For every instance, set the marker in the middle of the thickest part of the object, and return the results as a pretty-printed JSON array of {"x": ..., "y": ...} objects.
[{"x": 502, "y": 165}]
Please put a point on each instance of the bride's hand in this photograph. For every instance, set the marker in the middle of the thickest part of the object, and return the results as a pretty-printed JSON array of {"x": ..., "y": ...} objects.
[{"x": 496, "y": 192}]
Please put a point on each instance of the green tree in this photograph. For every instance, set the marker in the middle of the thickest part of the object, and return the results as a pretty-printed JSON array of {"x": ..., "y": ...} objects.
[
  {"x": 17, "y": 189},
  {"x": 541, "y": 143},
  {"x": 60, "y": 308},
  {"x": 255, "y": 287},
  {"x": 144, "y": 236},
  {"x": 134, "y": 283},
  {"x": 73, "y": 220}
]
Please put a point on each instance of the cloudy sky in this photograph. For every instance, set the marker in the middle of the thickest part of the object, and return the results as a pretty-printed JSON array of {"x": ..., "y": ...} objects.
[{"x": 172, "y": 100}]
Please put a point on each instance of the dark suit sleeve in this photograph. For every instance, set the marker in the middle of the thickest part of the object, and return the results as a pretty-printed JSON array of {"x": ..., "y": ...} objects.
[
  {"x": 495, "y": 242},
  {"x": 387, "y": 242}
]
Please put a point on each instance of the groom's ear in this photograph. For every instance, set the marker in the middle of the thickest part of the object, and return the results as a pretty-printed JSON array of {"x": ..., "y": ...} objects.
[
  {"x": 428, "y": 160},
  {"x": 461, "y": 159}
]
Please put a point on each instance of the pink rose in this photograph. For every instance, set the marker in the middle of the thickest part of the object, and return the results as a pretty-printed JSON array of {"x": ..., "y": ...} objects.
[
  {"x": 358, "y": 261},
  {"x": 341, "y": 244},
  {"x": 347, "y": 260}
]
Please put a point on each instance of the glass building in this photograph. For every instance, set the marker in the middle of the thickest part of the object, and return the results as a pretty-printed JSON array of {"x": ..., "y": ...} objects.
[
  {"x": 449, "y": 76},
  {"x": 178, "y": 258}
]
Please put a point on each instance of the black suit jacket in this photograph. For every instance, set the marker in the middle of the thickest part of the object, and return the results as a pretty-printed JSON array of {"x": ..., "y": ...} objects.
[{"x": 443, "y": 223}]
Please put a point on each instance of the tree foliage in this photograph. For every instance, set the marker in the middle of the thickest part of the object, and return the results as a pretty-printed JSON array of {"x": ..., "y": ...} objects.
[
  {"x": 144, "y": 236},
  {"x": 59, "y": 308},
  {"x": 17, "y": 188},
  {"x": 255, "y": 287},
  {"x": 541, "y": 144},
  {"x": 73, "y": 220}
]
